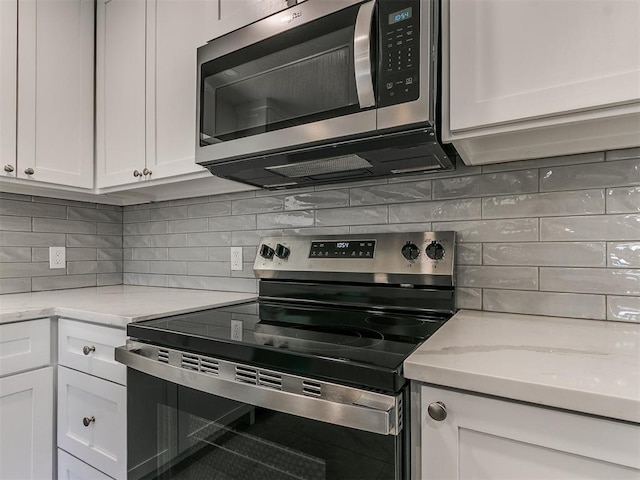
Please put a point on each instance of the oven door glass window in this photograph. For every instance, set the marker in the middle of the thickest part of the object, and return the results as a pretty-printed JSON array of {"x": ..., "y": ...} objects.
[
  {"x": 180, "y": 433},
  {"x": 303, "y": 75}
]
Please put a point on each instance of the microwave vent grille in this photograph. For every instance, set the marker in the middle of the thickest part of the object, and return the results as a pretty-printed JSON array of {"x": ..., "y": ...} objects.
[{"x": 344, "y": 163}]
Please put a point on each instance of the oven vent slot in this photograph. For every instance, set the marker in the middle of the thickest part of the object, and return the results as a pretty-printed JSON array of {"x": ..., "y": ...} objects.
[
  {"x": 163, "y": 355},
  {"x": 311, "y": 389},
  {"x": 258, "y": 377},
  {"x": 269, "y": 380},
  {"x": 209, "y": 366},
  {"x": 190, "y": 362},
  {"x": 246, "y": 375}
]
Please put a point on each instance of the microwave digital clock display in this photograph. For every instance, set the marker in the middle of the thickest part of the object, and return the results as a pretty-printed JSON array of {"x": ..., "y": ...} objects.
[
  {"x": 400, "y": 16},
  {"x": 343, "y": 249}
]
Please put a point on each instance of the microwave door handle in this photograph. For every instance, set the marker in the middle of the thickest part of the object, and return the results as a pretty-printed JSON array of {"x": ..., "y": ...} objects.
[{"x": 362, "y": 55}]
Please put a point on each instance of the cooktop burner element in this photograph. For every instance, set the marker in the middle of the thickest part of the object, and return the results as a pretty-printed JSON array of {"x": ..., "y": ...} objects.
[
  {"x": 387, "y": 321},
  {"x": 348, "y": 310},
  {"x": 325, "y": 337}
]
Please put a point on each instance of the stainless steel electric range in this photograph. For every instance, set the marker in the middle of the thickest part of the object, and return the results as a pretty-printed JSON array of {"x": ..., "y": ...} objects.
[{"x": 306, "y": 382}]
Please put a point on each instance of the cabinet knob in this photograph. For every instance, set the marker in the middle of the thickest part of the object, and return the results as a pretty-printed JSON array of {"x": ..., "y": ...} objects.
[
  {"x": 86, "y": 421},
  {"x": 437, "y": 411},
  {"x": 88, "y": 349},
  {"x": 29, "y": 171},
  {"x": 137, "y": 173},
  {"x": 8, "y": 168},
  {"x": 146, "y": 171}
]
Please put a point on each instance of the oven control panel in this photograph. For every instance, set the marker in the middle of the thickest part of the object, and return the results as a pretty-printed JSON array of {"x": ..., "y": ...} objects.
[
  {"x": 411, "y": 257},
  {"x": 356, "y": 249}
]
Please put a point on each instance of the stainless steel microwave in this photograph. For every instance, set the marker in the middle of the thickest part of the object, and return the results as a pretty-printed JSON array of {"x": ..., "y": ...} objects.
[{"x": 322, "y": 92}]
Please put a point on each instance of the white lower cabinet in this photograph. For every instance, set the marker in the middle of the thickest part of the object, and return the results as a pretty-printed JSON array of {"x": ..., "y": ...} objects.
[
  {"x": 26, "y": 400},
  {"x": 487, "y": 438},
  {"x": 26, "y": 425},
  {"x": 70, "y": 468},
  {"x": 92, "y": 421}
]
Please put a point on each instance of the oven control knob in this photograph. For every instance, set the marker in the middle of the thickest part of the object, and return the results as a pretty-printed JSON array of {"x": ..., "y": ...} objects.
[
  {"x": 266, "y": 251},
  {"x": 410, "y": 251},
  {"x": 282, "y": 251},
  {"x": 435, "y": 251}
]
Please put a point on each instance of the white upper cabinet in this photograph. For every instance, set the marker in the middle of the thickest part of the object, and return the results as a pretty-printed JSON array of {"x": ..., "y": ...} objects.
[
  {"x": 8, "y": 85},
  {"x": 238, "y": 13},
  {"x": 120, "y": 90},
  {"x": 46, "y": 129},
  {"x": 171, "y": 82},
  {"x": 146, "y": 87},
  {"x": 528, "y": 65}
]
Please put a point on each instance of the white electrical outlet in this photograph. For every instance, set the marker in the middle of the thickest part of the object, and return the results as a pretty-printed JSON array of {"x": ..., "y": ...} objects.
[
  {"x": 236, "y": 258},
  {"x": 236, "y": 330},
  {"x": 57, "y": 257}
]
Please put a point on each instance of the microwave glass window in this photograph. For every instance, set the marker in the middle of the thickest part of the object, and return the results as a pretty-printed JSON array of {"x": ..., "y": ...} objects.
[{"x": 297, "y": 77}]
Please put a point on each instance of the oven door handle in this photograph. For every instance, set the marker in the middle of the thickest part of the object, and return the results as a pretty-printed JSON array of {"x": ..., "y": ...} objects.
[
  {"x": 362, "y": 56},
  {"x": 347, "y": 406}
]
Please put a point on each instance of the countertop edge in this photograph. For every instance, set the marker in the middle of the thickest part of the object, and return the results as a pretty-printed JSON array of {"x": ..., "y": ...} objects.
[{"x": 454, "y": 361}]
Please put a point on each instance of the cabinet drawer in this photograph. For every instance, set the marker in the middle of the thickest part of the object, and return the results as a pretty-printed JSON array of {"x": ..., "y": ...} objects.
[
  {"x": 102, "y": 443},
  {"x": 70, "y": 468},
  {"x": 90, "y": 349},
  {"x": 24, "y": 345}
]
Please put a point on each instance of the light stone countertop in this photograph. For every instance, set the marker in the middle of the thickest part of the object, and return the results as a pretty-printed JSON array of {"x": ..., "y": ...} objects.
[
  {"x": 589, "y": 366},
  {"x": 114, "y": 305}
]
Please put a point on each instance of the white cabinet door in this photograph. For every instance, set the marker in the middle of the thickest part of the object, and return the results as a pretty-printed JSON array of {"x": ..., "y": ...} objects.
[
  {"x": 70, "y": 468},
  {"x": 494, "y": 439},
  {"x": 120, "y": 91},
  {"x": 171, "y": 83},
  {"x": 55, "y": 91},
  {"x": 526, "y": 59},
  {"x": 238, "y": 13},
  {"x": 8, "y": 85},
  {"x": 26, "y": 425},
  {"x": 92, "y": 421}
]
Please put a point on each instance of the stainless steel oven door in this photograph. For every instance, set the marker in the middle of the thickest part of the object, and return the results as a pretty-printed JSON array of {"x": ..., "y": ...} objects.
[
  {"x": 301, "y": 76},
  {"x": 188, "y": 419}
]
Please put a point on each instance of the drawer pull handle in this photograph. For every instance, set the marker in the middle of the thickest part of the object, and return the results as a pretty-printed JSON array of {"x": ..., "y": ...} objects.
[
  {"x": 29, "y": 171},
  {"x": 88, "y": 349},
  {"x": 86, "y": 421},
  {"x": 137, "y": 173},
  {"x": 8, "y": 168}
]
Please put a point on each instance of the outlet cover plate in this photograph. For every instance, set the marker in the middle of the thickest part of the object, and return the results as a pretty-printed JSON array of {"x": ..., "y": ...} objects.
[
  {"x": 57, "y": 257},
  {"x": 236, "y": 258}
]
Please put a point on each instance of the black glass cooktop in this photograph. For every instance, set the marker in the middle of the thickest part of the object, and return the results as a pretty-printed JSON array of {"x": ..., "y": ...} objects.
[{"x": 364, "y": 347}]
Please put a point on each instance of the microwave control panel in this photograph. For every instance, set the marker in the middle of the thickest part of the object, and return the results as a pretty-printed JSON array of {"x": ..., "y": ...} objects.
[{"x": 398, "y": 79}]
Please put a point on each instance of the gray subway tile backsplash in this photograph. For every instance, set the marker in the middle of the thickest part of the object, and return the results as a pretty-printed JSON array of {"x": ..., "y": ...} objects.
[
  {"x": 623, "y": 200},
  {"x": 557, "y": 236},
  {"x": 581, "y": 202},
  {"x": 624, "y": 309},
  {"x": 597, "y": 227},
  {"x": 595, "y": 175},
  {"x": 623, "y": 254},
  {"x": 567, "y": 254}
]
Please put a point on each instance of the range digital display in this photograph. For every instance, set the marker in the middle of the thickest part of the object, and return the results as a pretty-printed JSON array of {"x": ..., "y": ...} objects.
[
  {"x": 400, "y": 16},
  {"x": 343, "y": 249}
]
